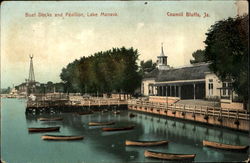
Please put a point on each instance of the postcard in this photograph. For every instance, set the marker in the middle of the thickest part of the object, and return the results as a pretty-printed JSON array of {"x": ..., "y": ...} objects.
[{"x": 124, "y": 81}]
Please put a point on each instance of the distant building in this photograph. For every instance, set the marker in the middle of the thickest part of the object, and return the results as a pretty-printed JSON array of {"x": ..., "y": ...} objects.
[
  {"x": 190, "y": 82},
  {"x": 24, "y": 87}
]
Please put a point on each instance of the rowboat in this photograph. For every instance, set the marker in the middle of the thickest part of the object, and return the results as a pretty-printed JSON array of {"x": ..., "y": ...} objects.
[
  {"x": 85, "y": 113},
  {"x": 50, "y": 119},
  {"x": 117, "y": 129},
  {"x": 61, "y": 137},
  {"x": 223, "y": 146},
  {"x": 44, "y": 129},
  {"x": 145, "y": 143},
  {"x": 169, "y": 156},
  {"x": 105, "y": 110},
  {"x": 100, "y": 123}
]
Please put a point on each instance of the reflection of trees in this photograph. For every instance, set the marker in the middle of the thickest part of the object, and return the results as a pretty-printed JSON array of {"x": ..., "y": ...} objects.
[
  {"x": 110, "y": 142},
  {"x": 113, "y": 142},
  {"x": 148, "y": 127}
]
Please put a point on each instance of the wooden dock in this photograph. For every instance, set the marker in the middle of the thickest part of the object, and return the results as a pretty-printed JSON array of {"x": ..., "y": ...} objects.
[
  {"x": 73, "y": 103},
  {"x": 231, "y": 118}
]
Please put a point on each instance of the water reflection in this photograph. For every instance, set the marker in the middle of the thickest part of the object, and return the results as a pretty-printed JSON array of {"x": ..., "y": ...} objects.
[{"x": 99, "y": 146}]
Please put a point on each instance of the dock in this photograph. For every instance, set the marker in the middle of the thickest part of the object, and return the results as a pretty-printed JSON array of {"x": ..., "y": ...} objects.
[
  {"x": 229, "y": 118},
  {"x": 67, "y": 103}
]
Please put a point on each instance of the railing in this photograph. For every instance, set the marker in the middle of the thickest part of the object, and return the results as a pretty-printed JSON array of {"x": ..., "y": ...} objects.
[
  {"x": 47, "y": 102},
  {"x": 196, "y": 109},
  {"x": 99, "y": 101}
]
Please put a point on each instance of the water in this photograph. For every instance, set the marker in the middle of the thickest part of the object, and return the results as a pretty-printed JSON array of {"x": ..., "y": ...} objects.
[{"x": 18, "y": 146}]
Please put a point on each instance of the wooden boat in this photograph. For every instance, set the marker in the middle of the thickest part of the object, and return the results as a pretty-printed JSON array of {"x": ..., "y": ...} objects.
[
  {"x": 145, "y": 143},
  {"x": 223, "y": 146},
  {"x": 169, "y": 156},
  {"x": 117, "y": 129},
  {"x": 50, "y": 119},
  {"x": 61, "y": 137},
  {"x": 100, "y": 123},
  {"x": 85, "y": 113},
  {"x": 44, "y": 129},
  {"x": 105, "y": 110}
]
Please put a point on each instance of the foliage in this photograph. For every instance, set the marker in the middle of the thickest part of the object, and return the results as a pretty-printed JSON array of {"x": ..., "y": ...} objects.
[
  {"x": 199, "y": 56},
  {"x": 5, "y": 90},
  {"x": 147, "y": 66},
  {"x": 114, "y": 70},
  {"x": 227, "y": 49}
]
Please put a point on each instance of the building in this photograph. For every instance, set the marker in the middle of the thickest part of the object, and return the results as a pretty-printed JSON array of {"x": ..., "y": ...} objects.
[
  {"x": 23, "y": 88},
  {"x": 190, "y": 82}
]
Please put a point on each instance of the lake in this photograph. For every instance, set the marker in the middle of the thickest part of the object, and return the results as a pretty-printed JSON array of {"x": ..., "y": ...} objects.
[{"x": 20, "y": 146}]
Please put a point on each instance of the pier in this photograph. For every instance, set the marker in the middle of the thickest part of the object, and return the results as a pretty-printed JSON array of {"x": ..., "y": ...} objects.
[
  {"x": 229, "y": 118},
  {"x": 71, "y": 103}
]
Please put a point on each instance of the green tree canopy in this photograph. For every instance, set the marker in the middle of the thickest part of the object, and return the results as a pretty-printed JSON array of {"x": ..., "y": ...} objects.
[
  {"x": 114, "y": 70},
  {"x": 227, "y": 49},
  {"x": 199, "y": 56},
  {"x": 147, "y": 66}
]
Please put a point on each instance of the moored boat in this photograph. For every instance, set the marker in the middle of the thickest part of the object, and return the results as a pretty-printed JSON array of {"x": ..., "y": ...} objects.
[
  {"x": 224, "y": 146},
  {"x": 105, "y": 110},
  {"x": 50, "y": 119},
  {"x": 145, "y": 143},
  {"x": 61, "y": 137},
  {"x": 168, "y": 156},
  {"x": 85, "y": 113},
  {"x": 100, "y": 123},
  {"x": 117, "y": 128},
  {"x": 43, "y": 129}
]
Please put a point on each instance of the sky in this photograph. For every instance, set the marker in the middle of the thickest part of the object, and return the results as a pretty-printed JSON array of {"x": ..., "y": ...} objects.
[{"x": 56, "y": 41}]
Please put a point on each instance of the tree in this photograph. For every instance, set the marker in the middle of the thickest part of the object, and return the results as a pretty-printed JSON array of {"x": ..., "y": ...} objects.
[
  {"x": 147, "y": 66},
  {"x": 199, "y": 56},
  {"x": 104, "y": 72},
  {"x": 227, "y": 49}
]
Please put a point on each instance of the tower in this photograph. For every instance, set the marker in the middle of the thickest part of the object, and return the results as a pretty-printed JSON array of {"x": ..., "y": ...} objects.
[
  {"x": 162, "y": 60},
  {"x": 31, "y": 72},
  {"x": 31, "y": 83}
]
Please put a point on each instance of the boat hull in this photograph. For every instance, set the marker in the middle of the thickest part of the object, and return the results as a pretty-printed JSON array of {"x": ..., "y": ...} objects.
[
  {"x": 56, "y": 137},
  {"x": 46, "y": 129},
  {"x": 84, "y": 113},
  {"x": 118, "y": 129},
  {"x": 168, "y": 156},
  {"x": 145, "y": 143},
  {"x": 100, "y": 123},
  {"x": 50, "y": 119},
  {"x": 224, "y": 146}
]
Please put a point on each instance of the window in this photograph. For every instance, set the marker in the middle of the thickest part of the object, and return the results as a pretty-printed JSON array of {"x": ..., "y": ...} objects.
[
  {"x": 224, "y": 91},
  {"x": 210, "y": 88}
]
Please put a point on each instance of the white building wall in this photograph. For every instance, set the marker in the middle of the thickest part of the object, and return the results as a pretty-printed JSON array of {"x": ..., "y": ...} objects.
[
  {"x": 211, "y": 78},
  {"x": 145, "y": 88}
]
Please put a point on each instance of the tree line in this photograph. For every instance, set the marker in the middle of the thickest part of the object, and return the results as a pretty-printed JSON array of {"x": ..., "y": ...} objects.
[{"x": 114, "y": 70}]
